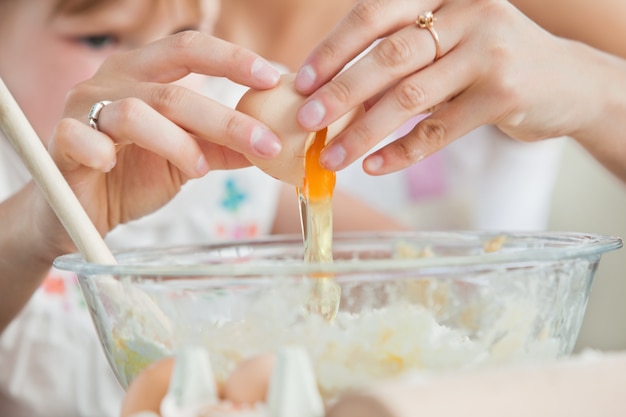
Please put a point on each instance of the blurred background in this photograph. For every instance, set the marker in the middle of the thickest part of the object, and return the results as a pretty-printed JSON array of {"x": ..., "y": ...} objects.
[{"x": 587, "y": 198}]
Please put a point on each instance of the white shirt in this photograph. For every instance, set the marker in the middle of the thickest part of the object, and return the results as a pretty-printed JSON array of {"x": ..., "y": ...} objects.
[{"x": 484, "y": 181}]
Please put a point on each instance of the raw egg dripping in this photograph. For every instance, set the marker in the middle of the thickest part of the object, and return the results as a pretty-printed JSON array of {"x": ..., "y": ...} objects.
[
  {"x": 317, "y": 226},
  {"x": 319, "y": 183},
  {"x": 277, "y": 108}
]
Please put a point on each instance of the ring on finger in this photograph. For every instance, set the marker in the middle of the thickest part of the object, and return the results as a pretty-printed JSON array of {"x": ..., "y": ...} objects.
[
  {"x": 427, "y": 21},
  {"x": 94, "y": 113}
]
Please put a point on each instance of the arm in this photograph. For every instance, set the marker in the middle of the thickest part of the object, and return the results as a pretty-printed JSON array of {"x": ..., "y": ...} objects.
[
  {"x": 599, "y": 24},
  {"x": 600, "y": 130},
  {"x": 30, "y": 240}
]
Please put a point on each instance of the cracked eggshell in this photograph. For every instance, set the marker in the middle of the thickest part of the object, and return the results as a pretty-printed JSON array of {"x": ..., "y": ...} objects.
[{"x": 277, "y": 108}]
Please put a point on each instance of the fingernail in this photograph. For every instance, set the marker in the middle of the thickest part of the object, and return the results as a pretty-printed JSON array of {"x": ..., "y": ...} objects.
[
  {"x": 333, "y": 157},
  {"x": 264, "y": 71},
  {"x": 373, "y": 163},
  {"x": 202, "y": 166},
  {"x": 305, "y": 78},
  {"x": 111, "y": 165},
  {"x": 265, "y": 142},
  {"x": 311, "y": 114}
]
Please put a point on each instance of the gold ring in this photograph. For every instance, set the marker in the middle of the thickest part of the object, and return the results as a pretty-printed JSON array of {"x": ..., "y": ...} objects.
[{"x": 427, "y": 21}]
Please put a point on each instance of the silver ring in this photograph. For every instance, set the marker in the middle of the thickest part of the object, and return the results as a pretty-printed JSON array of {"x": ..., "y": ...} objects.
[{"x": 94, "y": 113}]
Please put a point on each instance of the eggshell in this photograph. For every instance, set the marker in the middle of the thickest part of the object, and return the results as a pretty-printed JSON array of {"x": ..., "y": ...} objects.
[
  {"x": 148, "y": 388},
  {"x": 277, "y": 108},
  {"x": 249, "y": 382}
]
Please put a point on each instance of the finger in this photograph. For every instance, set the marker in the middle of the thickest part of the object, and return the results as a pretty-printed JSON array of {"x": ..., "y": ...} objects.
[
  {"x": 174, "y": 57},
  {"x": 453, "y": 120},
  {"x": 193, "y": 112},
  {"x": 221, "y": 157},
  {"x": 370, "y": 102},
  {"x": 132, "y": 121},
  {"x": 209, "y": 120},
  {"x": 412, "y": 96},
  {"x": 166, "y": 139},
  {"x": 74, "y": 144},
  {"x": 366, "y": 22},
  {"x": 404, "y": 52}
]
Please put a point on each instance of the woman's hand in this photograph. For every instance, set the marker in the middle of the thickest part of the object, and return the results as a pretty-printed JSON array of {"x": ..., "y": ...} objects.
[
  {"x": 156, "y": 135},
  {"x": 496, "y": 67}
]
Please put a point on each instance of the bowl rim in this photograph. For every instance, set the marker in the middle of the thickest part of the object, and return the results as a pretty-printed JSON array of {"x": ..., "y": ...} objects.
[{"x": 574, "y": 245}]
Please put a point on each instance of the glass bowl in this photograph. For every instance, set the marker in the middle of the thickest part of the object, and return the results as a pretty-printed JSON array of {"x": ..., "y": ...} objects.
[{"x": 410, "y": 301}]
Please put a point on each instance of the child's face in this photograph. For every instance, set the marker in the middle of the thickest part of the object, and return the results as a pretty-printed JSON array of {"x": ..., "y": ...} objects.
[{"x": 44, "y": 52}]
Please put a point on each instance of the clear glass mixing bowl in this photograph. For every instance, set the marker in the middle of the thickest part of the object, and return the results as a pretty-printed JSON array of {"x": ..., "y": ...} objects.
[{"x": 409, "y": 301}]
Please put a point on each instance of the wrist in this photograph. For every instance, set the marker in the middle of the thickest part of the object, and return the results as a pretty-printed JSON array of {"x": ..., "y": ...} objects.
[
  {"x": 30, "y": 240},
  {"x": 49, "y": 233},
  {"x": 600, "y": 128},
  {"x": 41, "y": 235}
]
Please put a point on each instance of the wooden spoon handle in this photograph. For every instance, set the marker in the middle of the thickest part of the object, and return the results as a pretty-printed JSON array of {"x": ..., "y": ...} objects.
[{"x": 50, "y": 181}]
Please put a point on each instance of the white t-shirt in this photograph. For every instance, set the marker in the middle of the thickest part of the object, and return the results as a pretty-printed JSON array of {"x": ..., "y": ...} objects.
[
  {"x": 51, "y": 362},
  {"x": 484, "y": 181}
]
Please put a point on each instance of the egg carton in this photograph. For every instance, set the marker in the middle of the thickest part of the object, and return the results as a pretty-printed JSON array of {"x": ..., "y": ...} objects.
[{"x": 193, "y": 392}]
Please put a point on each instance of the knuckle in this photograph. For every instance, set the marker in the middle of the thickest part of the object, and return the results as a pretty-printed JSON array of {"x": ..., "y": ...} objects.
[
  {"x": 183, "y": 40},
  {"x": 239, "y": 54},
  {"x": 329, "y": 49},
  {"x": 405, "y": 153},
  {"x": 112, "y": 62},
  {"x": 233, "y": 123},
  {"x": 492, "y": 9},
  {"x": 362, "y": 136},
  {"x": 507, "y": 91},
  {"x": 367, "y": 13},
  {"x": 82, "y": 96},
  {"x": 129, "y": 110},
  {"x": 393, "y": 51},
  {"x": 426, "y": 138},
  {"x": 339, "y": 90},
  {"x": 411, "y": 96},
  {"x": 431, "y": 135},
  {"x": 505, "y": 87},
  {"x": 168, "y": 96},
  {"x": 66, "y": 127},
  {"x": 75, "y": 93}
]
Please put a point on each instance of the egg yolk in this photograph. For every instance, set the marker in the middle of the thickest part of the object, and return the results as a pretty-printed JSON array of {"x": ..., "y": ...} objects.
[{"x": 319, "y": 182}]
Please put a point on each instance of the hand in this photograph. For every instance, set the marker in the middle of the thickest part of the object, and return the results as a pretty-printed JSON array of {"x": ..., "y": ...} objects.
[
  {"x": 156, "y": 135},
  {"x": 496, "y": 67}
]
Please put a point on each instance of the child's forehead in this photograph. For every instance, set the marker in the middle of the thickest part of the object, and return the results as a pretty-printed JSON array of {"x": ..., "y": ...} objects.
[{"x": 85, "y": 6}]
